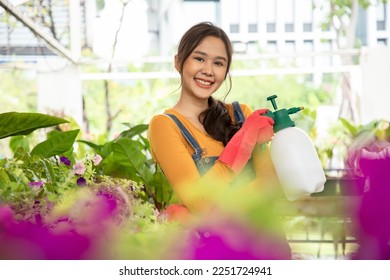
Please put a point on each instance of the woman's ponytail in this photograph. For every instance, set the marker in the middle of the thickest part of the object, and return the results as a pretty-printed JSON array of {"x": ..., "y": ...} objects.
[{"x": 217, "y": 121}]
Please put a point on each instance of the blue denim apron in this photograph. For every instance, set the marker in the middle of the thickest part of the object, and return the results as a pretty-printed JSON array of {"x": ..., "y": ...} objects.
[{"x": 202, "y": 162}]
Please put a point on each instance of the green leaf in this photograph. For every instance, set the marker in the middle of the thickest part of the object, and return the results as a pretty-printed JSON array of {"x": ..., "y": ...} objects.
[
  {"x": 162, "y": 187},
  {"x": 14, "y": 123},
  {"x": 56, "y": 144},
  {"x": 128, "y": 153},
  {"x": 94, "y": 146},
  {"x": 353, "y": 130},
  {"x": 112, "y": 168},
  {"x": 19, "y": 141},
  {"x": 50, "y": 174},
  {"x": 4, "y": 179},
  {"x": 21, "y": 154},
  {"x": 136, "y": 130}
]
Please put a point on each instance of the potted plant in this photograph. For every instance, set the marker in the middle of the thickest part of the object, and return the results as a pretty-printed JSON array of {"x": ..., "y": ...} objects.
[{"x": 343, "y": 147}]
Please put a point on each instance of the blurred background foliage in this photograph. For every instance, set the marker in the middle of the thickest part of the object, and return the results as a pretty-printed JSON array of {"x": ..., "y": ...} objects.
[{"x": 135, "y": 101}]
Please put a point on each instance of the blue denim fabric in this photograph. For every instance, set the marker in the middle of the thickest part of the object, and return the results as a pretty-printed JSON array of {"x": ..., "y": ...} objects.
[{"x": 203, "y": 163}]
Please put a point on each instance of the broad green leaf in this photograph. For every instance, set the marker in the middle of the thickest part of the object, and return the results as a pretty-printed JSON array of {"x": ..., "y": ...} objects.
[
  {"x": 19, "y": 141},
  {"x": 15, "y": 123},
  {"x": 112, "y": 168},
  {"x": 128, "y": 153},
  {"x": 135, "y": 130},
  {"x": 56, "y": 144}
]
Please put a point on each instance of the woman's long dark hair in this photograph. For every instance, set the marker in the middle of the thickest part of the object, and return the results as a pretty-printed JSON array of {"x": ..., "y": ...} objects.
[{"x": 215, "y": 119}]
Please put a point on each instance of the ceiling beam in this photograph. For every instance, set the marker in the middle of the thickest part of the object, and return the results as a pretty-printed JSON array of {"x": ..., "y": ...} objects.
[{"x": 52, "y": 43}]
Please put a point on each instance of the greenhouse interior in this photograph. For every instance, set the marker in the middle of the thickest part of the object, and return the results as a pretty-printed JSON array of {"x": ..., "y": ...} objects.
[{"x": 83, "y": 176}]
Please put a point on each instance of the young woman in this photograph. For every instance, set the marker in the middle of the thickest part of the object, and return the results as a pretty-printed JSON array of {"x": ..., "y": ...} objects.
[{"x": 201, "y": 138}]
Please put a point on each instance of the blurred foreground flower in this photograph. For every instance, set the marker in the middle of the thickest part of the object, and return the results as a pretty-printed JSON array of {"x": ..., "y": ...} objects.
[
  {"x": 23, "y": 240},
  {"x": 229, "y": 239},
  {"x": 82, "y": 226},
  {"x": 373, "y": 231}
]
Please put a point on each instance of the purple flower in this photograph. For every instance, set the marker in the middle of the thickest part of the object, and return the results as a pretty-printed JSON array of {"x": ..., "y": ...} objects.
[
  {"x": 65, "y": 160},
  {"x": 81, "y": 182},
  {"x": 36, "y": 184}
]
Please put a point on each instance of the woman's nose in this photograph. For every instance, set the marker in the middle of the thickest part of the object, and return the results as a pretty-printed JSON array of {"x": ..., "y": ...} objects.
[{"x": 208, "y": 69}]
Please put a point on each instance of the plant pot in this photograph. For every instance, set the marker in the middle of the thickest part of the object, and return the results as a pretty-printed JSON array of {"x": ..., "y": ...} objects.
[
  {"x": 330, "y": 187},
  {"x": 351, "y": 186},
  {"x": 345, "y": 186}
]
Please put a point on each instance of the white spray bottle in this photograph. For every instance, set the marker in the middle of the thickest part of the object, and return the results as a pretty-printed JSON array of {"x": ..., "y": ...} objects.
[{"x": 295, "y": 159}]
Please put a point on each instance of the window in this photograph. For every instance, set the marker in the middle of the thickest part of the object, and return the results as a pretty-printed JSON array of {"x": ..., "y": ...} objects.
[
  {"x": 252, "y": 28},
  {"x": 308, "y": 46},
  {"x": 289, "y": 27},
  {"x": 271, "y": 27},
  {"x": 252, "y": 15},
  {"x": 326, "y": 46},
  {"x": 382, "y": 42},
  {"x": 290, "y": 46},
  {"x": 272, "y": 46},
  {"x": 270, "y": 11},
  {"x": 234, "y": 16},
  {"x": 307, "y": 27},
  {"x": 289, "y": 15},
  {"x": 308, "y": 61},
  {"x": 380, "y": 16},
  {"x": 307, "y": 15},
  {"x": 234, "y": 28}
]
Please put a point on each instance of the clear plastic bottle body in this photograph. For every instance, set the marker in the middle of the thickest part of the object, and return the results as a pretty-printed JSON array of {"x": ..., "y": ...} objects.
[{"x": 296, "y": 163}]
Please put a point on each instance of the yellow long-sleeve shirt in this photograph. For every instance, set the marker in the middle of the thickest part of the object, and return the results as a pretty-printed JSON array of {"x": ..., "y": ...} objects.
[{"x": 173, "y": 153}]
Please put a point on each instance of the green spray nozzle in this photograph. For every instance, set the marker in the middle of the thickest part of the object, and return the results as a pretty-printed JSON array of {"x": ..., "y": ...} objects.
[{"x": 281, "y": 116}]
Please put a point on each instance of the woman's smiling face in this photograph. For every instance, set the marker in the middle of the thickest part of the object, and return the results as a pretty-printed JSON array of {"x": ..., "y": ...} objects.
[{"x": 205, "y": 69}]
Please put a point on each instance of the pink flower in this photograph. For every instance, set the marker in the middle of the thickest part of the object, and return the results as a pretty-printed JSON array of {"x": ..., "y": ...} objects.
[
  {"x": 96, "y": 160},
  {"x": 79, "y": 168}
]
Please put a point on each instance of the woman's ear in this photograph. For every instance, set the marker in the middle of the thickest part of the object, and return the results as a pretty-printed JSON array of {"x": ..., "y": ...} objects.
[{"x": 177, "y": 64}]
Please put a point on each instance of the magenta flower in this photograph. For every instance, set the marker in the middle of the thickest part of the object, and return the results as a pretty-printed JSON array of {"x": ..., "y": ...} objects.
[
  {"x": 232, "y": 240},
  {"x": 36, "y": 184},
  {"x": 65, "y": 160},
  {"x": 79, "y": 168},
  {"x": 373, "y": 211},
  {"x": 23, "y": 240}
]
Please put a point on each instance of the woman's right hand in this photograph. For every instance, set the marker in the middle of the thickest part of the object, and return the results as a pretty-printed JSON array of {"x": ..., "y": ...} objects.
[
  {"x": 257, "y": 129},
  {"x": 260, "y": 125}
]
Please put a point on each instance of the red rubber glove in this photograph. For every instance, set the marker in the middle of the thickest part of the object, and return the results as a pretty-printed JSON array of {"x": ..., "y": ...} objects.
[{"x": 257, "y": 129}]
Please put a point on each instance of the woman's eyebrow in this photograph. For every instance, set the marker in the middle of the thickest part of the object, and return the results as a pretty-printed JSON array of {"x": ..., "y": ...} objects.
[{"x": 205, "y": 54}]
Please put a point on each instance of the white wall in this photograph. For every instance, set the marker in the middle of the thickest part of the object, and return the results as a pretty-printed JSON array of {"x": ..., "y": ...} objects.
[
  {"x": 375, "y": 96},
  {"x": 59, "y": 90}
]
